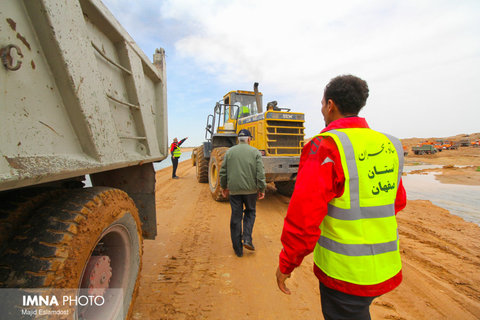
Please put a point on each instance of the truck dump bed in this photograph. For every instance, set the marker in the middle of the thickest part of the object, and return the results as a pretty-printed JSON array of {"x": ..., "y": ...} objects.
[{"x": 77, "y": 95}]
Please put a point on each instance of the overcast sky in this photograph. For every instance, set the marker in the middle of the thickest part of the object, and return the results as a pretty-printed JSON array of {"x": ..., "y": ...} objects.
[{"x": 421, "y": 59}]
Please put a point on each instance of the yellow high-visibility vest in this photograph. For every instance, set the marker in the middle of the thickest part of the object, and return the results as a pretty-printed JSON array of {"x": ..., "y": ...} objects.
[
  {"x": 359, "y": 240},
  {"x": 177, "y": 152}
]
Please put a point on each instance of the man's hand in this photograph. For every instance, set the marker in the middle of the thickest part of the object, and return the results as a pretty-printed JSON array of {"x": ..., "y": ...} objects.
[
  {"x": 225, "y": 193},
  {"x": 261, "y": 195},
  {"x": 281, "y": 277}
]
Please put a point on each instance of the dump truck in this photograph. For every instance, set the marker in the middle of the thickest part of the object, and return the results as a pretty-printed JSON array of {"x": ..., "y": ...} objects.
[
  {"x": 464, "y": 142},
  {"x": 424, "y": 149},
  {"x": 277, "y": 133},
  {"x": 80, "y": 102}
]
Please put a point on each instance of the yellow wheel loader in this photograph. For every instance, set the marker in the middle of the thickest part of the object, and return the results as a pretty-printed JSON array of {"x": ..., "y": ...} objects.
[{"x": 277, "y": 133}]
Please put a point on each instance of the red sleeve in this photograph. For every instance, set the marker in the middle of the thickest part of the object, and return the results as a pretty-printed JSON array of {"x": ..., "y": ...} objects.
[
  {"x": 401, "y": 200},
  {"x": 320, "y": 178},
  {"x": 172, "y": 146},
  {"x": 181, "y": 141}
]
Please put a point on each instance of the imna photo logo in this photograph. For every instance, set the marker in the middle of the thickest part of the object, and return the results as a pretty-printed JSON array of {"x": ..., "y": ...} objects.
[{"x": 52, "y": 301}]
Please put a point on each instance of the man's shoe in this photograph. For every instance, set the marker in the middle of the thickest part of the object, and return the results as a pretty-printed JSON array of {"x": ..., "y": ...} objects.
[
  {"x": 239, "y": 254},
  {"x": 176, "y": 177},
  {"x": 249, "y": 246}
]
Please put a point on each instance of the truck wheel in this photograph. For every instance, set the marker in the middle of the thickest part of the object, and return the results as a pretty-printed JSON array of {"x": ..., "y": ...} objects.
[
  {"x": 88, "y": 239},
  {"x": 17, "y": 207},
  {"x": 216, "y": 160},
  {"x": 193, "y": 157},
  {"x": 285, "y": 187},
  {"x": 202, "y": 166}
]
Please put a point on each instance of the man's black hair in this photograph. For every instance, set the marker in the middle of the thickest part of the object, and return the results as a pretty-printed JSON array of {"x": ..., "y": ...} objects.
[{"x": 349, "y": 93}]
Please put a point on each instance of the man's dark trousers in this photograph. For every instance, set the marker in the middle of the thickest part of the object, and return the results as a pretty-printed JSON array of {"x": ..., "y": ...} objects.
[
  {"x": 337, "y": 305},
  {"x": 238, "y": 215},
  {"x": 174, "y": 165}
]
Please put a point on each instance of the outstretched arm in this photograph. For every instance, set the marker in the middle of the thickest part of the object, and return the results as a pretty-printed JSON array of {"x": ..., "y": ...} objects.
[{"x": 181, "y": 141}]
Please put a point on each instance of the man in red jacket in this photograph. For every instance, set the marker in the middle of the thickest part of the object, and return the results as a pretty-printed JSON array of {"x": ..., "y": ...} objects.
[
  {"x": 347, "y": 194},
  {"x": 176, "y": 152}
]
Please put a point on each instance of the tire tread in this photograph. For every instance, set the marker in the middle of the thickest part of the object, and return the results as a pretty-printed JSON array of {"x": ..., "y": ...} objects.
[
  {"x": 219, "y": 155},
  {"x": 202, "y": 166}
]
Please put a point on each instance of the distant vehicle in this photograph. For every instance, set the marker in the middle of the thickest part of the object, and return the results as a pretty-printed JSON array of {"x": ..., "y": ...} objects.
[
  {"x": 465, "y": 143},
  {"x": 449, "y": 145},
  {"x": 424, "y": 149}
]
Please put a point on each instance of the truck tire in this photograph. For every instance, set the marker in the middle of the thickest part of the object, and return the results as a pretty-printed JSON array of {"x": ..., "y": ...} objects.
[
  {"x": 16, "y": 209},
  {"x": 62, "y": 243},
  {"x": 216, "y": 160},
  {"x": 202, "y": 166},
  {"x": 285, "y": 187}
]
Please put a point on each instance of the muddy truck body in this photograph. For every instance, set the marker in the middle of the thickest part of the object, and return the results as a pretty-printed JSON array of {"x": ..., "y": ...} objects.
[
  {"x": 424, "y": 149},
  {"x": 78, "y": 99}
]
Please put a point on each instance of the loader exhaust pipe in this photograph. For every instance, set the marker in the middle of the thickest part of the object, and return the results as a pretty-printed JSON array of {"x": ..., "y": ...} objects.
[{"x": 257, "y": 98}]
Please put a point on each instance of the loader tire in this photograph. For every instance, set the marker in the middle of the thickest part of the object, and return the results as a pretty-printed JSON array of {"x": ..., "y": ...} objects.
[
  {"x": 202, "y": 166},
  {"x": 285, "y": 187},
  {"x": 194, "y": 157},
  {"x": 62, "y": 240},
  {"x": 216, "y": 160}
]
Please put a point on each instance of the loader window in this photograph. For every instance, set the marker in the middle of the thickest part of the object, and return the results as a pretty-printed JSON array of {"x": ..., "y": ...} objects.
[
  {"x": 253, "y": 108},
  {"x": 244, "y": 100},
  {"x": 227, "y": 114},
  {"x": 244, "y": 111},
  {"x": 234, "y": 112}
]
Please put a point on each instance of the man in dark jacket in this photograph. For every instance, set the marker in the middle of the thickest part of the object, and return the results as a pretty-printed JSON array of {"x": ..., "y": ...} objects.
[
  {"x": 242, "y": 176},
  {"x": 176, "y": 153}
]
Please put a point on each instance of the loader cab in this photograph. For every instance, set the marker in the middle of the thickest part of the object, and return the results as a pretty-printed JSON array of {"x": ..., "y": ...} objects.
[
  {"x": 243, "y": 104},
  {"x": 222, "y": 125}
]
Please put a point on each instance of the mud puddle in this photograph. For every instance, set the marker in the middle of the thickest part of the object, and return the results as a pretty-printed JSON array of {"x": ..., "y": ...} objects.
[{"x": 461, "y": 200}]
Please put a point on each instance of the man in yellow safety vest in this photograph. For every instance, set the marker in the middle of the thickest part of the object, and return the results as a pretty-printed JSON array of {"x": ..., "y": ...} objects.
[
  {"x": 347, "y": 194},
  {"x": 176, "y": 153}
]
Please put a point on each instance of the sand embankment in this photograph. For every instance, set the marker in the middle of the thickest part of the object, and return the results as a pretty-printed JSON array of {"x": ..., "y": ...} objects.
[{"x": 191, "y": 272}]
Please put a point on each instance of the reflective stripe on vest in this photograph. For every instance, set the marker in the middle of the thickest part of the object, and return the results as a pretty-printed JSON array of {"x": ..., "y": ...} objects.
[
  {"x": 359, "y": 238},
  {"x": 177, "y": 152}
]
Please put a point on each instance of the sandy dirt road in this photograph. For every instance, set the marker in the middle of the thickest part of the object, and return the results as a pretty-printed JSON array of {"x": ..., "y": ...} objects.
[{"x": 191, "y": 272}]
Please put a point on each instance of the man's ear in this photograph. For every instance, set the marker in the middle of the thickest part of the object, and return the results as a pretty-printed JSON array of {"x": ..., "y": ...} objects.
[{"x": 331, "y": 106}]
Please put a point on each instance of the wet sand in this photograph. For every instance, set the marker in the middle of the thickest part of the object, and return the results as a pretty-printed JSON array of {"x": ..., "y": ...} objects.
[{"x": 191, "y": 272}]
